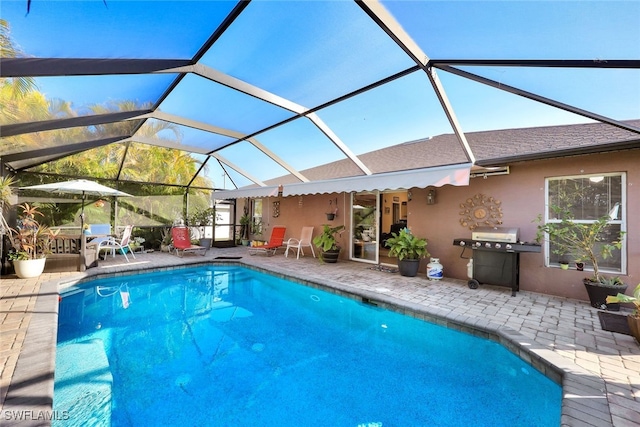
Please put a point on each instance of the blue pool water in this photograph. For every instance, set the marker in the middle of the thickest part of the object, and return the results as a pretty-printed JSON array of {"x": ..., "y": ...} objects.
[{"x": 228, "y": 346}]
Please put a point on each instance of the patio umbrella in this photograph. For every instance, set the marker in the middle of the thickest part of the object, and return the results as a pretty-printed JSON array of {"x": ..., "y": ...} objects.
[{"x": 79, "y": 186}]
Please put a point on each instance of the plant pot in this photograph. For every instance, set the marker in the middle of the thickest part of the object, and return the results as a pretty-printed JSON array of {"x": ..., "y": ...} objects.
[
  {"x": 409, "y": 267},
  {"x": 634, "y": 326},
  {"x": 206, "y": 242},
  {"x": 331, "y": 256},
  {"x": 598, "y": 294},
  {"x": 28, "y": 268},
  {"x": 330, "y": 216},
  {"x": 245, "y": 242},
  {"x": 579, "y": 266},
  {"x": 564, "y": 265}
]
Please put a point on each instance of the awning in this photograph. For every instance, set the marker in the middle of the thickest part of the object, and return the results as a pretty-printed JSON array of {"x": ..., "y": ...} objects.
[
  {"x": 457, "y": 175},
  {"x": 241, "y": 193}
]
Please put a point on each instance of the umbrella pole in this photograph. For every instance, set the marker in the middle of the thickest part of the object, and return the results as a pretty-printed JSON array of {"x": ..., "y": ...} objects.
[
  {"x": 82, "y": 213},
  {"x": 83, "y": 239}
]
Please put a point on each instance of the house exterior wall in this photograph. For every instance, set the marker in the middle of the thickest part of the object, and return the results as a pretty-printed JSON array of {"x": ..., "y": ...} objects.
[
  {"x": 299, "y": 211},
  {"x": 522, "y": 197}
]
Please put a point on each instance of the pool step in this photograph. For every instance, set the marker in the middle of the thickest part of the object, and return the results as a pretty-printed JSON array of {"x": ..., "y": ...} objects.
[{"x": 83, "y": 385}]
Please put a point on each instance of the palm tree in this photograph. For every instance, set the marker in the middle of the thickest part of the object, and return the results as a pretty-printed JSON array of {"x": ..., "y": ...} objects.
[
  {"x": 22, "y": 85},
  {"x": 20, "y": 100}
]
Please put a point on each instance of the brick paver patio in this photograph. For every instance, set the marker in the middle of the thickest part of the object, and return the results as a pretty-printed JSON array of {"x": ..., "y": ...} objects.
[{"x": 599, "y": 370}]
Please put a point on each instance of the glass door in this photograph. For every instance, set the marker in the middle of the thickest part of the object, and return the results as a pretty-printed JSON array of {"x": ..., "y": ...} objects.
[{"x": 364, "y": 221}]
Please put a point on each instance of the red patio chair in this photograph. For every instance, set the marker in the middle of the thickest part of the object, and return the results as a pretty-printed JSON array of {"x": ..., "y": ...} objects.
[
  {"x": 275, "y": 241},
  {"x": 182, "y": 242}
]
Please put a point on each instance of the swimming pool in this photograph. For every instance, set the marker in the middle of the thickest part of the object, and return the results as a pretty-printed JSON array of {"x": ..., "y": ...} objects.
[{"x": 232, "y": 346}]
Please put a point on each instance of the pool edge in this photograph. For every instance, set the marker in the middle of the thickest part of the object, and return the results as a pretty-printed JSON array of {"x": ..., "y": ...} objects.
[{"x": 31, "y": 387}]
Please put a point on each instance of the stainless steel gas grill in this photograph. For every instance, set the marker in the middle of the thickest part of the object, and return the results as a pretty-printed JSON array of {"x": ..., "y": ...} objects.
[{"x": 496, "y": 256}]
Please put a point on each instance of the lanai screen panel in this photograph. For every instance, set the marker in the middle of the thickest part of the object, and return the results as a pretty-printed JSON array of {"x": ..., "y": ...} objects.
[
  {"x": 410, "y": 111},
  {"x": 169, "y": 134},
  {"x": 300, "y": 144},
  {"x": 605, "y": 87},
  {"x": 203, "y": 100},
  {"x": 306, "y": 52},
  {"x": 266, "y": 75}
]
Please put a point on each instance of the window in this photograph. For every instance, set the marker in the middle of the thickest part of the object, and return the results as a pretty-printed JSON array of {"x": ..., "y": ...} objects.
[
  {"x": 256, "y": 215},
  {"x": 587, "y": 198}
]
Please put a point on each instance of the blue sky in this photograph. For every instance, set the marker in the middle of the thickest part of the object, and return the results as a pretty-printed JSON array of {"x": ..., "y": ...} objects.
[{"x": 310, "y": 52}]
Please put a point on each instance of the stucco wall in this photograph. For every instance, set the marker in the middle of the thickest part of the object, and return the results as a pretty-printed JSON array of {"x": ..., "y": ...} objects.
[
  {"x": 522, "y": 199},
  {"x": 522, "y": 196}
]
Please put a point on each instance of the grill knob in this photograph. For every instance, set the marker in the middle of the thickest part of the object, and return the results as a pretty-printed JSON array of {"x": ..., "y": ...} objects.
[
  {"x": 487, "y": 245},
  {"x": 498, "y": 245},
  {"x": 462, "y": 243},
  {"x": 509, "y": 246},
  {"x": 478, "y": 244}
]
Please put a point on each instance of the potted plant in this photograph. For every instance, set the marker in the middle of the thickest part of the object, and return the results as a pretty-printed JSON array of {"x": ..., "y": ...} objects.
[
  {"x": 256, "y": 231},
  {"x": 6, "y": 199},
  {"x": 333, "y": 211},
  {"x": 327, "y": 242},
  {"x": 165, "y": 239},
  {"x": 201, "y": 219},
  {"x": 634, "y": 318},
  {"x": 409, "y": 249},
  {"x": 30, "y": 240},
  {"x": 587, "y": 243},
  {"x": 245, "y": 224}
]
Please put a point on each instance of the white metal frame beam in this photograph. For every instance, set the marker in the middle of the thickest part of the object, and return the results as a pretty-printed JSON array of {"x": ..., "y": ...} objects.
[{"x": 389, "y": 25}]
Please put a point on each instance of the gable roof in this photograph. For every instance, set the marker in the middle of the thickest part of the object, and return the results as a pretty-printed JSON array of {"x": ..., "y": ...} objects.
[{"x": 492, "y": 148}]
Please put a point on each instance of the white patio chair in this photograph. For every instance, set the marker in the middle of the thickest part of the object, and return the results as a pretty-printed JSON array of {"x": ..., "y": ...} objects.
[
  {"x": 303, "y": 242},
  {"x": 122, "y": 244}
]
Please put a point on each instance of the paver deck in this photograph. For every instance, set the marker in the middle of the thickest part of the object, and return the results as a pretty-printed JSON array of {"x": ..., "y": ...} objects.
[{"x": 600, "y": 369}]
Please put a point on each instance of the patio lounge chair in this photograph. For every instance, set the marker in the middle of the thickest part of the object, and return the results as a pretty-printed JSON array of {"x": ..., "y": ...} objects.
[
  {"x": 275, "y": 241},
  {"x": 182, "y": 242},
  {"x": 103, "y": 231},
  {"x": 303, "y": 242},
  {"x": 123, "y": 244}
]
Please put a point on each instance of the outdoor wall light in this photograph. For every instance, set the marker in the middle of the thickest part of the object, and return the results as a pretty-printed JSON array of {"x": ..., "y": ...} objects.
[{"x": 431, "y": 196}]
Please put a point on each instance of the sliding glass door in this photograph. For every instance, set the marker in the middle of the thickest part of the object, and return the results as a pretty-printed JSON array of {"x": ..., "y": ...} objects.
[{"x": 364, "y": 220}]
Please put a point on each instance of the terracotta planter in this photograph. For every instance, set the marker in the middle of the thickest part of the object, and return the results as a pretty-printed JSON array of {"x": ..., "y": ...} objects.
[
  {"x": 598, "y": 295},
  {"x": 409, "y": 267},
  {"x": 28, "y": 268},
  {"x": 634, "y": 326}
]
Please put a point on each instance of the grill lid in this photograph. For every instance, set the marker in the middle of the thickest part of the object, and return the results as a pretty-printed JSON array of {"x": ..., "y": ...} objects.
[{"x": 496, "y": 234}]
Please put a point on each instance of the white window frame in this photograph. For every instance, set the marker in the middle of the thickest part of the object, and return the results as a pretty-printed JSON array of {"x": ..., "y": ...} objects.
[
  {"x": 622, "y": 219},
  {"x": 257, "y": 210}
]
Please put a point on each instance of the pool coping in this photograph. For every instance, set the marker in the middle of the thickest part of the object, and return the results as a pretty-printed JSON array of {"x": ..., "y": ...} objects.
[{"x": 31, "y": 388}]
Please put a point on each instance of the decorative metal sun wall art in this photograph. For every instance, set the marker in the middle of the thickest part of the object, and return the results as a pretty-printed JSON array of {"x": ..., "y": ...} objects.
[{"x": 480, "y": 211}]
